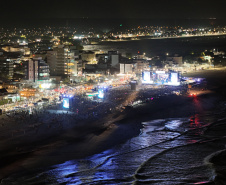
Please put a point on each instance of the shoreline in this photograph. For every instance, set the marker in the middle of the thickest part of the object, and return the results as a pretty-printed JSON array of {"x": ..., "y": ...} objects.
[
  {"x": 98, "y": 141},
  {"x": 95, "y": 139},
  {"x": 156, "y": 38},
  {"x": 79, "y": 142}
]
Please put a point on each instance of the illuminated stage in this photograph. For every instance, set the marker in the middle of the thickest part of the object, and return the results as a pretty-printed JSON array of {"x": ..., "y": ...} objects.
[{"x": 161, "y": 78}]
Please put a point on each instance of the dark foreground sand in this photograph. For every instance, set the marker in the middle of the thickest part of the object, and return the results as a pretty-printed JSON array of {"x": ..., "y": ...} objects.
[{"x": 29, "y": 146}]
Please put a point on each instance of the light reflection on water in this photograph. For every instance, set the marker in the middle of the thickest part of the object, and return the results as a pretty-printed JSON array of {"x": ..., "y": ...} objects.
[
  {"x": 124, "y": 162},
  {"x": 120, "y": 163}
]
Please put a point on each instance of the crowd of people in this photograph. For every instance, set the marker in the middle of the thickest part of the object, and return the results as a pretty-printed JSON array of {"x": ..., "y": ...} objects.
[{"x": 82, "y": 109}]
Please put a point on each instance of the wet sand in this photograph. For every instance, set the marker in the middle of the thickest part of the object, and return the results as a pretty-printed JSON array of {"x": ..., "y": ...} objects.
[{"x": 26, "y": 151}]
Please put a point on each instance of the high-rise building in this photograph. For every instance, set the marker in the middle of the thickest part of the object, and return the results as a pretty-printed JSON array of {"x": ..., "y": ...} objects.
[
  {"x": 114, "y": 58},
  {"x": 36, "y": 70},
  {"x": 6, "y": 67},
  {"x": 52, "y": 60},
  {"x": 126, "y": 68},
  {"x": 61, "y": 62}
]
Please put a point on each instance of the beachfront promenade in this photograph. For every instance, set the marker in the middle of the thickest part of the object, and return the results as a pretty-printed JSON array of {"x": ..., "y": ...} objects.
[
  {"x": 28, "y": 138},
  {"x": 49, "y": 137}
]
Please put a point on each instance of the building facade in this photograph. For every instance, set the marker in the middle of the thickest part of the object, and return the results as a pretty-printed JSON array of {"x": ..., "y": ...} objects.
[
  {"x": 126, "y": 68},
  {"x": 6, "y": 67},
  {"x": 36, "y": 70},
  {"x": 62, "y": 62},
  {"x": 89, "y": 56}
]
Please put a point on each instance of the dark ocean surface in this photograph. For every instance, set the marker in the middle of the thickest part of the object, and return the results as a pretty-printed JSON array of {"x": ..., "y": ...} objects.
[
  {"x": 172, "y": 46},
  {"x": 174, "y": 146}
]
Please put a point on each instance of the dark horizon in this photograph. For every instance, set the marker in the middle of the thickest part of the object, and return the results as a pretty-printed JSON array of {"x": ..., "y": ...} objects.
[
  {"x": 110, "y": 23},
  {"x": 152, "y": 9}
]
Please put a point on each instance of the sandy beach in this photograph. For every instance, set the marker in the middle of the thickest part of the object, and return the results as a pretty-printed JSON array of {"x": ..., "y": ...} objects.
[{"x": 32, "y": 143}]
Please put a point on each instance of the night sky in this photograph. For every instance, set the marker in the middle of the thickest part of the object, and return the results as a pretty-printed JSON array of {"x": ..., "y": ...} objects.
[{"x": 113, "y": 9}]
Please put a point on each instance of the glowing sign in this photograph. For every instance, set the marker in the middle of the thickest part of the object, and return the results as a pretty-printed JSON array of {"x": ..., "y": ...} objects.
[
  {"x": 147, "y": 77},
  {"x": 101, "y": 93},
  {"x": 66, "y": 103},
  {"x": 174, "y": 78}
]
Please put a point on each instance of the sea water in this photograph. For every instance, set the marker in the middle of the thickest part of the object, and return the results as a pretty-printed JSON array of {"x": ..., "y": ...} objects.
[{"x": 167, "y": 151}]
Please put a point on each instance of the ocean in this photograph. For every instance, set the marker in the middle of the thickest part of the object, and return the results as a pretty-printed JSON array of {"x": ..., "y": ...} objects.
[
  {"x": 169, "y": 141},
  {"x": 167, "y": 151},
  {"x": 158, "y": 47},
  {"x": 175, "y": 141}
]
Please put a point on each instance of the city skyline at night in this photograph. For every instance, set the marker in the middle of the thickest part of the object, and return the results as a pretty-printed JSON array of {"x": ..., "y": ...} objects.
[{"x": 113, "y": 92}]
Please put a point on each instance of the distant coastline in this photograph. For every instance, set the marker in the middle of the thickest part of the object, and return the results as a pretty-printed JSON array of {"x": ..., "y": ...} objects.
[
  {"x": 160, "y": 46},
  {"x": 152, "y": 37}
]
